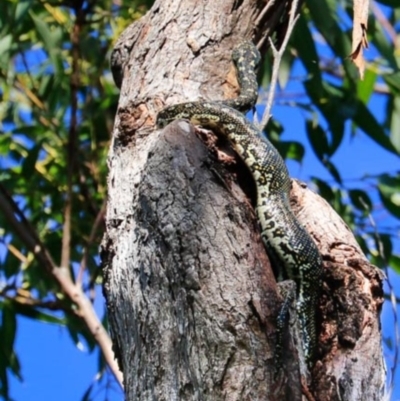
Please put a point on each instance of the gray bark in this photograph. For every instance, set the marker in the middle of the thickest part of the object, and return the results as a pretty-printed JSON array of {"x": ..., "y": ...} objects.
[
  {"x": 351, "y": 365},
  {"x": 190, "y": 293}
]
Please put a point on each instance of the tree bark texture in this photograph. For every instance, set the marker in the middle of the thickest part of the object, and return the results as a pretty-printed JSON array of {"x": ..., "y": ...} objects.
[{"x": 191, "y": 297}]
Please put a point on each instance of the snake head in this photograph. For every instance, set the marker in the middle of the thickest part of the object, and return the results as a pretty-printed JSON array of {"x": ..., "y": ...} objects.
[
  {"x": 248, "y": 52},
  {"x": 161, "y": 122},
  {"x": 171, "y": 113},
  {"x": 164, "y": 117}
]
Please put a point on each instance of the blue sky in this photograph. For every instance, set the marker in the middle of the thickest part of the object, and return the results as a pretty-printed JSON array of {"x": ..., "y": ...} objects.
[{"x": 54, "y": 368}]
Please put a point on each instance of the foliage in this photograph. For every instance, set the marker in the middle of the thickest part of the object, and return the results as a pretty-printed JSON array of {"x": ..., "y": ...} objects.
[{"x": 57, "y": 111}]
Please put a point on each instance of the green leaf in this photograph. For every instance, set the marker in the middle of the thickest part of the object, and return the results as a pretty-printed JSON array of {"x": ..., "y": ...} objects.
[
  {"x": 273, "y": 130},
  {"x": 380, "y": 40},
  {"x": 51, "y": 40},
  {"x": 3, "y": 376},
  {"x": 395, "y": 122},
  {"x": 390, "y": 3},
  {"x": 15, "y": 366},
  {"x": 5, "y": 50},
  {"x": 363, "y": 244},
  {"x": 87, "y": 393},
  {"x": 76, "y": 329},
  {"x": 8, "y": 326},
  {"x": 367, "y": 122},
  {"x": 360, "y": 200},
  {"x": 388, "y": 342},
  {"x": 11, "y": 265},
  {"x": 318, "y": 139},
  {"x": 5, "y": 143},
  {"x": 394, "y": 263},
  {"x": 334, "y": 109},
  {"x": 333, "y": 170},
  {"x": 384, "y": 247},
  {"x": 21, "y": 10},
  {"x": 45, "y": 33},
  {"x": 285, "y": 69},
  {"x": 389, "y": 191},
  {"x": 393, "y": 81},
  {"x": 28, "y": 165},
  {"x": 304, "y": 43},
  {"x": 290, "y": 150},
  {"x": 8, "y": 331},
  {"x": 37, "y": 314},
  {"x": 325, "y": 16},
  {"x": 324, "y": 190},
  {"x": 365, "y": 87}
]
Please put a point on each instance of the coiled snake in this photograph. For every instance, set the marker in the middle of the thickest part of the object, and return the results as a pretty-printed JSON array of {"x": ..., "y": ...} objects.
[{"x": 289, "y": 246}]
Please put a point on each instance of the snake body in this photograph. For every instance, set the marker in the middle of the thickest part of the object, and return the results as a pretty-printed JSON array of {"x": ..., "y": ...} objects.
[{"x": 292, "y": 251}]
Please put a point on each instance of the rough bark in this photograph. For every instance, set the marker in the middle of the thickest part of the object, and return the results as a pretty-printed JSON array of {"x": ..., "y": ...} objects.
[
  {"x": 191, "y": 297},
  {"x": 351, "y": 365}
]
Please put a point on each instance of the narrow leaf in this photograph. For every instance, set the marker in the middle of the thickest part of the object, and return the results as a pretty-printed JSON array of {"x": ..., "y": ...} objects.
[
  {"x": 394, "y": 263},
  {"x": 395, "y": 123},
  {"x": 33, "y": 313},
  {"x": 5, "y": 49},
  {"x": 360, "y": 200},
  {"x": 365, "y": 88},
  {"x": 21, "y": 9},
  {"x": 290, "y": 150},
  {"x": 324, "y": 190},
  {"x": 28, "y": 165},
  {"x": 389, "y": 192},
  {"x": 367, "y": 122},
  {"x": 318, "y": 139},
  {"x": 333, "y": 170}
]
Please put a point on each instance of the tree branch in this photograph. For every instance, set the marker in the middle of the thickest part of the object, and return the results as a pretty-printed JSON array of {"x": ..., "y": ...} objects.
[{"x": 277, "y": 55}]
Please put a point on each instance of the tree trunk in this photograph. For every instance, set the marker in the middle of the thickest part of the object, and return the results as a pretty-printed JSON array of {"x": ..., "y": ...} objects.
[{"x": 191, "y": 297}]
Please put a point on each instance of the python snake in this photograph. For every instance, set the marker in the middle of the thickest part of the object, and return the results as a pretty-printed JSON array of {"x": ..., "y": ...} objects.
[{"x": 292, "y": 251}]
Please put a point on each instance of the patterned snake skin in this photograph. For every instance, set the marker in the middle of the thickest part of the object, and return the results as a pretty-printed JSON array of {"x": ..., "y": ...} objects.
[{"x": 289, "y": 246}]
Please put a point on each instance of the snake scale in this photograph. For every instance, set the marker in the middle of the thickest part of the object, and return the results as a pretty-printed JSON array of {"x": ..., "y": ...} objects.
[{"x": 292, "y": 251}]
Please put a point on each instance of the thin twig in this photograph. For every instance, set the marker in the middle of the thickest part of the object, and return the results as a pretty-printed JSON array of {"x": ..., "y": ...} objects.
[
  {"x": 277, "y": 54},
  {"x": 263, "y": 12},
  {"x": 36, "y": 303},
  {"x": 384, "y": 22}
]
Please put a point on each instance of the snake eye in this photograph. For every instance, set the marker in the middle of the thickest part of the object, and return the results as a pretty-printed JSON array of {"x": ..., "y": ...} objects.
[{"x": 162, "y": 123}]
